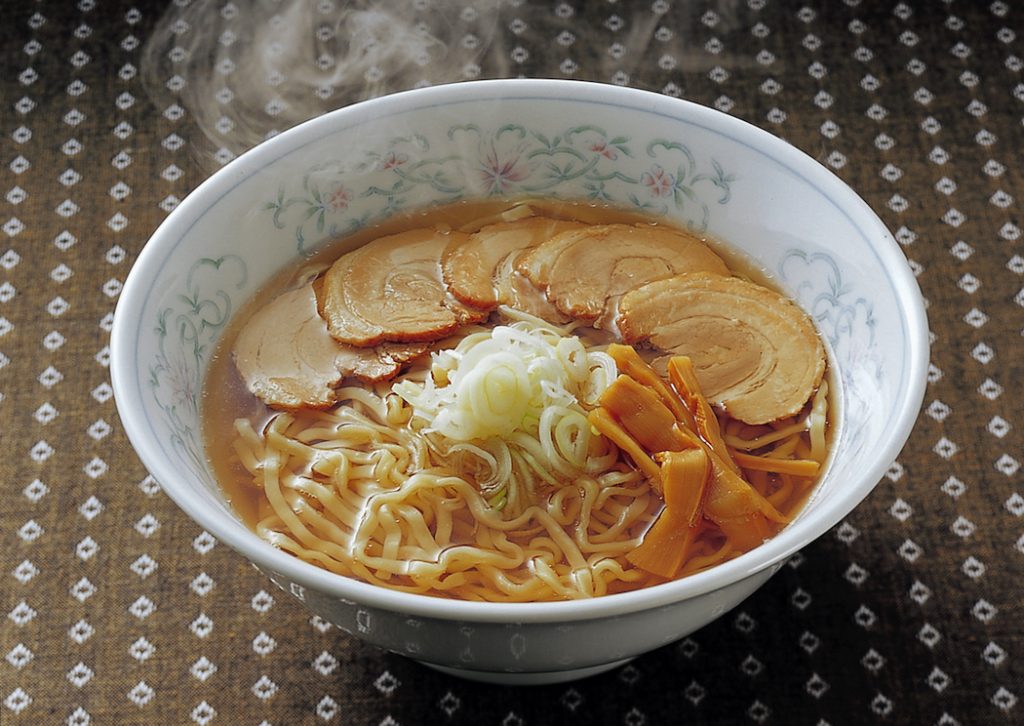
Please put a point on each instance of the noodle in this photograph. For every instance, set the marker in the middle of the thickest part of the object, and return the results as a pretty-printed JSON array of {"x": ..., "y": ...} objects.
[
  {"x": 349, "y": 492},
  {"x": 478, "y": 475}
]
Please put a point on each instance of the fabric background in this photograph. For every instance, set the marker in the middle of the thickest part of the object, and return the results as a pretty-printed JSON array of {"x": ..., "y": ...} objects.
[{"x": 117, "y": 609}]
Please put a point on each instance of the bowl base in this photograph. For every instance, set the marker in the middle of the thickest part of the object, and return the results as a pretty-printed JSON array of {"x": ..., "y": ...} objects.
[{"x": 537, "y": 678}]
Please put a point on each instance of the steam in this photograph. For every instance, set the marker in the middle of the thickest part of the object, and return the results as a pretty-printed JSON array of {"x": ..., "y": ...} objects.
[
  {"x": 248, "y": 69},
  {"x": 244, "y": 70}
]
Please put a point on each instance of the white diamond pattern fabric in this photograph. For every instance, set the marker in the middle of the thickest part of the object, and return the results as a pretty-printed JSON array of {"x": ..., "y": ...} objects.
[{"x": 119, "y": 609}]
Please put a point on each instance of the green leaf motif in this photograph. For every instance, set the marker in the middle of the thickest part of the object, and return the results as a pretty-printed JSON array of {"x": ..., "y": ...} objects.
[
  {"x": 199, "y": 312},
  {"x": 584, "y": 161}
]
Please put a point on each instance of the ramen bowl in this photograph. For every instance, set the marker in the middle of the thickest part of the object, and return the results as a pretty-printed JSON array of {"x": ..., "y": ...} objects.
[{"x": 714, "y": 174}]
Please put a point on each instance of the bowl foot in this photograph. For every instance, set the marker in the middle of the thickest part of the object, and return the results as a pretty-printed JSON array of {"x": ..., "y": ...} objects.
[{"x": 536, "y": 678}]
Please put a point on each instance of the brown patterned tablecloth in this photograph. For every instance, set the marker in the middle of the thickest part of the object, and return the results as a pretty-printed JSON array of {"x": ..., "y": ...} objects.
[{"x": 117, "y": 609}]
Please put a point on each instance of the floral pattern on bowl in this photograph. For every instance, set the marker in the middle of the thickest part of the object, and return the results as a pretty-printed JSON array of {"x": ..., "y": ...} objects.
[
  {"x": 186, "y": 333},
  {"x": 585, "y": 162},
  {"x": 845, "y": 318}
]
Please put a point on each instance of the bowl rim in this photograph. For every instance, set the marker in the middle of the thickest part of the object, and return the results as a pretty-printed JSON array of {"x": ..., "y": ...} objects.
[{"x": 801, "y": 533}]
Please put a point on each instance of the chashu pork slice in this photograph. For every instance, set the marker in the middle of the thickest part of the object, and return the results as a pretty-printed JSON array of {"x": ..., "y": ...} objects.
[
  {"x": 391, "y": 290},
  {"x": 481, "y": 270},
  {"x": 755, "y": 352},
  {"x": 516, "y": 291},
  {"x": 585, "y": 271},
  {"x": 288, "y": 359}
]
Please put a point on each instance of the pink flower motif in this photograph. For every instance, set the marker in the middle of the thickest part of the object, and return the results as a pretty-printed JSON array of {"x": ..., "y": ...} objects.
[
  {"x": 338, "y": 199},
  {"x": 604, "y": 150},
  {"x": 498, "y": 173},
  {"x": 658, "y": 182},
  {"x": 393, "y": 159}
]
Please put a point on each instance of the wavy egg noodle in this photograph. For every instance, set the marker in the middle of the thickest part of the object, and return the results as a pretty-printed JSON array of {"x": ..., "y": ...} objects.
[{"x": 352, "y": 492}]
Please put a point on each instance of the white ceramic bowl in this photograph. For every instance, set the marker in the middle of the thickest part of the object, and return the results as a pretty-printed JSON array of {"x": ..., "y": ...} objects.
[{"x": 567, "y": 139}]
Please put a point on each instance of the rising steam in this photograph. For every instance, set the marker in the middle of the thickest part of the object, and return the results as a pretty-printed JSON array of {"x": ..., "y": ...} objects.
[
  {"x": 247, "y": 69},
  {"x": 244, "y": 70}
]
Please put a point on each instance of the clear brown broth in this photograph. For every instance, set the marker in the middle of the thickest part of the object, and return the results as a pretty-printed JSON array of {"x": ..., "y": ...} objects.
[{"x": 225, "y": 397}]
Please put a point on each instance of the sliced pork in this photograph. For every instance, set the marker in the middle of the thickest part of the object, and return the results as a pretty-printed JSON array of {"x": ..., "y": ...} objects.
[
  {"x": 391, "y": 290},
  {"x": 288, "y": 359},
  {"x": 585, "y": 271},
  {"x": 754, "y": 351},
  {"x": 472, "y": 267},
  {"x": 481, "y": 270}
]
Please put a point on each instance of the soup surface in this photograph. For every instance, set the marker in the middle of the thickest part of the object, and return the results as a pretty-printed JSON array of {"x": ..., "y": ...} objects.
[{"x": 518, "y": 401}]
